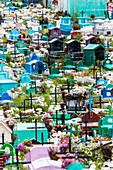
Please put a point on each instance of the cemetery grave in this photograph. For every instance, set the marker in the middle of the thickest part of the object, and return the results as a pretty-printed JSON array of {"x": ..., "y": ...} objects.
[{"x": 56, "y": 86}]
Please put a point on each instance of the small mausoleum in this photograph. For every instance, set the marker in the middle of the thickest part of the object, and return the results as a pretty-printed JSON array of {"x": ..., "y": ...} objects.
[
  {"x": 54, "y": 32},
  {"x": 68, "y": 64},
  {"x": 91, "y": 116},
  {"x": 35, "y": 65},
  {"x": 56, "y": 48},
  {"x": 73, "y": 46},
  {"x": 106, "y": 125},
  {"x": 66, "y": 26},
  {"x": 14, "y": 35},
  {"x": 92, "y": 53},
  {"x": 27, "y": 131},
  {"x": 90, "y": 40},
  {"x": 24, "y": 37},
  {"x": 75, "y": 32},
  {"x": 5, "y": 82}
]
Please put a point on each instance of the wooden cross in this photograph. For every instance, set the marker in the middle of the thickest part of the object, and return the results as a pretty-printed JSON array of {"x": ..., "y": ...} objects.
[
  {"x": 71, "y": 131},
  {"x": 34, "y": 82},
  {"x": 42, "y": 136},
  {"x": 55, "y": 95},
  {"x": 3, "y": 48},
  {"x": 28, "y": 100},
  {"x": 5, "y": 3},
  {"x": 16, "y": 17},
  {"x": 82, "y": 12},
  {"x": 100, "y": 66},
  {"x": 76, "y": 154},
  {"x": 2, "y": 65},
  {"x": 71, "y": 81},
  {"x": 108, "y": 45}
]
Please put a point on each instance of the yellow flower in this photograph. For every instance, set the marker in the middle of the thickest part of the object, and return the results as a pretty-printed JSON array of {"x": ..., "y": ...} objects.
[{"x": 58, "y": 156}]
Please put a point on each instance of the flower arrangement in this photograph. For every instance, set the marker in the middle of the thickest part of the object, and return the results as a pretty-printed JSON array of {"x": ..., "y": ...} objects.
[
  {"x": 68, "y": 161},
  {"x": 30, "y": 113},
  {"x": 54, "y": 2},
  {"x": 61, "y": 127},
  {"x": 52, "y": 153},
  {"x": 27, "y": 142},
  {"x": 47, "y": 121},
  {"x": 96, "y": 139},
  {"x": 22, "y": 148},
  {"x": 64, "y": 144}
]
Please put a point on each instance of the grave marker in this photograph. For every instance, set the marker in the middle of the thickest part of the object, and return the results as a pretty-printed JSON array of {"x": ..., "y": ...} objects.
[
  {"x": 55, "y": 95},
  {"x": 82, "y": 12},
  {"x": 71, "y": 81},
  {"x": 71, "y": 131}
]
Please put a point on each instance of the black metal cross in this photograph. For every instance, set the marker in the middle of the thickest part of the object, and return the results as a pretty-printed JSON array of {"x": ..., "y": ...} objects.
[
  {"x": 62, "y": 118},
  {"x": 43, "y": 127},
  {"x": 82, "y": 12},
  {"x": 86, "y": 121},
  {"x": 21, "y": 117},
  {"x": 68, "y": 86},
  {"x": 55, "y": 95}
]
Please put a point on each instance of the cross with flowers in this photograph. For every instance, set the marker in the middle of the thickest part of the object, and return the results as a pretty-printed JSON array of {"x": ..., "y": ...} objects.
[{"x": 71, "y": 131}]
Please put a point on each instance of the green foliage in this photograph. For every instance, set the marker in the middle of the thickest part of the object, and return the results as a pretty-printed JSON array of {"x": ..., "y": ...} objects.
[
  {"x": 21, "y": 166},
  {"x": 23, "y": 63},
  {"x": 4, "y": 39},
  {"x": 18, "y": 101},
  {"x": 22, "y": 156},
  {"x": 74, "y": 17},
  {"x": 102, "y": 42},
  {"x": 25, "y": 23},
  {"x": 47, "y": 100},
  {"x": 78, "y": 37},
  {"x": 8, "y": 58},
  {"x": 59, "y": 81},
  {"x": 44, "y": 89},
  {"x": 45, "y": 58}
]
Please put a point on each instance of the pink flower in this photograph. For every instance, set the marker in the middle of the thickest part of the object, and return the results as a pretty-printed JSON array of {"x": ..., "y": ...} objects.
[
  {"x": 20, "y": 145},
  {"x": 81, "y": 160},
  {"x": 7, "y": 156}
]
